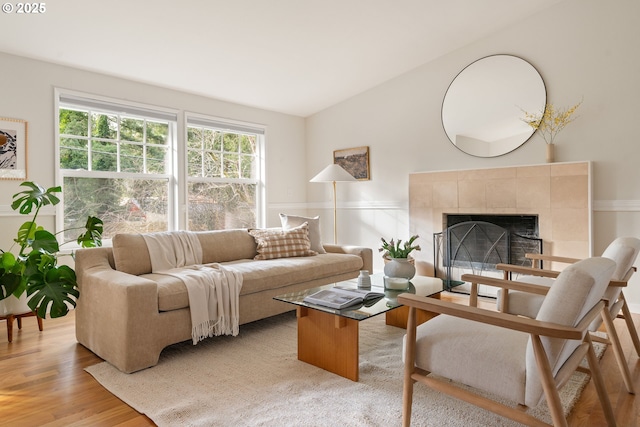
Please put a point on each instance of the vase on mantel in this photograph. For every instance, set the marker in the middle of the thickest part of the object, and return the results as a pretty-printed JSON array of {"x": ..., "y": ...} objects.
[{"x": 551, "y": 154}]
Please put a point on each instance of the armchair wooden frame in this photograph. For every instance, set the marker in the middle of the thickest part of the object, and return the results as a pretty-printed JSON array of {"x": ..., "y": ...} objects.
[
  {"x": 619, "y": 307},
  {"x": 535, "y": 328}
]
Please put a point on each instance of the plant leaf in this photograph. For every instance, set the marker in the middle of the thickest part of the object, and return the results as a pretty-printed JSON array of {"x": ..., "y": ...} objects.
[
  {"x": 26, "y": 233},
  {"x": 93, "y": 236},
  {"x": 9, "y": 283},
  {"x": 44, "y": 241},
  {"x": 53, "y": 291},
  {"x": 36, "y": 197}
]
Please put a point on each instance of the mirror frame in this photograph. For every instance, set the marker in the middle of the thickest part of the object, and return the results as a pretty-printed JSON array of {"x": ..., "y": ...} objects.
[{"x": 465, "y": 106}]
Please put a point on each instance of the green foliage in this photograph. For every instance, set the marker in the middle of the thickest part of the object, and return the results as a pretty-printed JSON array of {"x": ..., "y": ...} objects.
[
  {"x": 35, "y": 268},
  {"x": 398, "y": 250},
  {"x": 11, "y": 276},
  {"x": 37, "y": 197},
  {"x": 74, "y": 122}
]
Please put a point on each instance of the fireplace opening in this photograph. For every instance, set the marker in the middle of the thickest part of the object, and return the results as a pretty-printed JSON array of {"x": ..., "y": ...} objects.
[
  {"x": 525, "y": 225},
  {"x": 476, "y": 243}
]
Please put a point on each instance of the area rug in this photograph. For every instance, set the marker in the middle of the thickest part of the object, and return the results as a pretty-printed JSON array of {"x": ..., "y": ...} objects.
[{"x": 255, "y": 379}]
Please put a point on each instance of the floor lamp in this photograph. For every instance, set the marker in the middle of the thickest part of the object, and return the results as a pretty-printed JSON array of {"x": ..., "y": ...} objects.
[{"x": 333, "y": 173}]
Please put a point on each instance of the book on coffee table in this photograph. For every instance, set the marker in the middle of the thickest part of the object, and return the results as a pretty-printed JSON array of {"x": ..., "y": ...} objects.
[{"x": 338, "y": 297}]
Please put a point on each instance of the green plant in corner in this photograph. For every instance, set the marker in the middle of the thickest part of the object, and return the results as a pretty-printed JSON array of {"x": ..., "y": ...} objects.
[
  {"x": 34, "y": 269},
  {"x": 398, "y": 250}
]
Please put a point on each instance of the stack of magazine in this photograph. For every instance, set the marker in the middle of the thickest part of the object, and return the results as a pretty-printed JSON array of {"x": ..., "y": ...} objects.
[{"x": 339, "y": 297}]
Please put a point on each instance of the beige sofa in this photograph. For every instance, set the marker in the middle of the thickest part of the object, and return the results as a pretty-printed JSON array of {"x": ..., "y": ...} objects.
[{"x": 127, "y": 315}]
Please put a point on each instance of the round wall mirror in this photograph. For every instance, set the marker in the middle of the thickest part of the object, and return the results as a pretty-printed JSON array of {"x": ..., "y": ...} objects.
[{"x": 483, "y": 107}]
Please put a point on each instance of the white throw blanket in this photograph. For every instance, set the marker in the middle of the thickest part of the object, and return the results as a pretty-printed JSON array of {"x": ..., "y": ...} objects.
[{"x": 213, "y": 290}]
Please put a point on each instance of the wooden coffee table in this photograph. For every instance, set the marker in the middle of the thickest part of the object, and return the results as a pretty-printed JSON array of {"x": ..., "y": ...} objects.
[{"x": 328, "y": 338}]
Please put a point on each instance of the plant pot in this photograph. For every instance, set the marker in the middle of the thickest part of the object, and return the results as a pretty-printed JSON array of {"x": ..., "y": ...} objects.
[
  {"x": 13, "y": 305},
  {"x": 400, "y": 267}
]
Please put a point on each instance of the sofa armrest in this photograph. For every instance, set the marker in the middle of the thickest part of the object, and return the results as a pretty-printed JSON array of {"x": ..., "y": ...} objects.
[
  {"x": 123, "y": 290},
  {"x": 365, "y": 253},
  {"x": 117, "y": 313},
  {"x": 98, "y": 281}
]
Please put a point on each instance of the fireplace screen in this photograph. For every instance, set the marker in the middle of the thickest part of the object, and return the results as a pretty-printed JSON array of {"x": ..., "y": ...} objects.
[{"x": 476, "y": 247}]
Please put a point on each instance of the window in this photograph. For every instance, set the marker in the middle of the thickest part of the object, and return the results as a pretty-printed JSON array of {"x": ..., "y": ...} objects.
[
  {"x": 119, "y": 162},
  {"x": 115, "y": 162},
  {"x": 224, "y": 174}
]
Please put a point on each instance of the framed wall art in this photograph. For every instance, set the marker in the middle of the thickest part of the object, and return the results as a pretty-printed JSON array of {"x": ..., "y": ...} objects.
[
  {"x": 13, "y": 149},
  {"x": 355, "y": 161}
]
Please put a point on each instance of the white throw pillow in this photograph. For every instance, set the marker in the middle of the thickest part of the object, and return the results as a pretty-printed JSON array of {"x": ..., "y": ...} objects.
[{"x": 292, "y": 221}]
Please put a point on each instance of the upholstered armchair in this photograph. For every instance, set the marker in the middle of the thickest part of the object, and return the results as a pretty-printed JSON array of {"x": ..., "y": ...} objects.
[
  {"x": 624, "y": 251},
  {"x": 516, "y": 358}
]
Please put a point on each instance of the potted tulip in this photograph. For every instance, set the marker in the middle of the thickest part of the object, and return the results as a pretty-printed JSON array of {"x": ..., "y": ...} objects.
[
  {"x": 30, "y": 266},
  {"x": 398, "y": 263}
]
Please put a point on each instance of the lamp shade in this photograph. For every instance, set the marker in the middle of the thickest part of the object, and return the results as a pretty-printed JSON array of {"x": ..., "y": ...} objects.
[{"x": 333, "y": 173}]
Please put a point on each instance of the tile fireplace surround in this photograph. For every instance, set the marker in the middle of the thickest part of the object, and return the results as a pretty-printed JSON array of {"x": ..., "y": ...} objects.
[{"x": 559, "y": 193}]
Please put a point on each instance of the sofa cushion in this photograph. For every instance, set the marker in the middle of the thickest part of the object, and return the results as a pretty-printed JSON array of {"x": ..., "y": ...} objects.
[
  {"x": 226, "y": 245},
  {"x": 315, "y": 236},
  {"x": 131, "y": 255},
  {"x": 262, "y": 275},
  {"x": 281, "y": 243}
]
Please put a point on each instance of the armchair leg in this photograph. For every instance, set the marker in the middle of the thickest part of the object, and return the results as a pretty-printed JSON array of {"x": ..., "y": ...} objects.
[
  {"x": 617, "y": 350},
  {"x": 548, "y": 383},
  {"x": 473, "y": 295},
  {"x": 409, "y": 367},
  {"x": 598, "y": 381},
  {"x": 630, "y": 325}
]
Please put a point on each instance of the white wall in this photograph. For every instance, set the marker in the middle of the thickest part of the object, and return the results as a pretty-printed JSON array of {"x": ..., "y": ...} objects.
[
  {"x": 582, "y": 48},
  {"x": 27, "y": 93}
]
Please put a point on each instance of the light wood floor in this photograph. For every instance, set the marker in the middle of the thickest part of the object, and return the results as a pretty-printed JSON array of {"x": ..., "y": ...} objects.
[{"x": 42, "y": 383}]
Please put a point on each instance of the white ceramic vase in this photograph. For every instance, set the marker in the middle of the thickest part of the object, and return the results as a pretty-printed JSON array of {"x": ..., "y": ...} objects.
[
  {"x": 400, "y": 267},
  {"x": 364, "y": 280}
]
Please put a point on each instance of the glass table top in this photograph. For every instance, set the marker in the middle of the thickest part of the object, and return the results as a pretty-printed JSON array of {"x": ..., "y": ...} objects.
[{"x": 419, "y": 285}]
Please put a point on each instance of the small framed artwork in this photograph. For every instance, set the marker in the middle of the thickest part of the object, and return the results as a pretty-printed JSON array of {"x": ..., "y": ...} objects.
[
  {"x": 355, "y": 161},
  {"x": 13, "y": 149}
]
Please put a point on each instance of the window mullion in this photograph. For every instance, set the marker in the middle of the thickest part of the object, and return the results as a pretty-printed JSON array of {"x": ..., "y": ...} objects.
[
  {"x": 203, "y": 169},
  {"x": 118, "y": 143}
]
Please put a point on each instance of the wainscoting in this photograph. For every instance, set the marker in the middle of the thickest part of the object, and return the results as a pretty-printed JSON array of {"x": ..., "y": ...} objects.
[{"x": 558, "y": 193}]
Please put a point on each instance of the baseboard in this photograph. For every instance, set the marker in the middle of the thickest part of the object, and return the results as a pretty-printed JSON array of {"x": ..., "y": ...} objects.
[
  {"x": 634, "y": 308},
  {"x": 616, "y": 205}
]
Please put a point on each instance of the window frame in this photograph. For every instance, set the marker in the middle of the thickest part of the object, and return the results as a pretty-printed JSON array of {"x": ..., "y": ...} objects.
[
  {"x": 69, "y": 99},
  {"x": 177, "y": 175},
  {"x": 233, "y": 126}
]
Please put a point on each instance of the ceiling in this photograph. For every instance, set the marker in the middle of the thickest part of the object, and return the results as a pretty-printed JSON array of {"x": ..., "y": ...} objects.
[{"x": 291, "y": 56}]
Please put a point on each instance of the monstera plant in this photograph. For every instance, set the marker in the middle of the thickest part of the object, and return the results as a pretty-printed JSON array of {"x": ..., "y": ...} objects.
[{"x": 33, "y": 268}]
